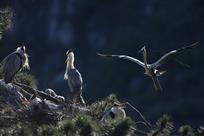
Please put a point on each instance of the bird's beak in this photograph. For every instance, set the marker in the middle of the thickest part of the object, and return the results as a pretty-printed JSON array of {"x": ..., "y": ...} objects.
[
  {"x": 142, "y": 49},
  {"x": 123, "y": 106}
]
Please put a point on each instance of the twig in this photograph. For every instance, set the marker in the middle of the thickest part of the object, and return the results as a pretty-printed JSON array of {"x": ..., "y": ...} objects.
[
  {"x": 143, "y": 123},
  {"x": 38, "y": 92},
  {"x": 25, "y": 93},
  {"x": 147, "y": 123},
  {"x": 8, "y": 117},
  {"x": 139, "y": 131}
]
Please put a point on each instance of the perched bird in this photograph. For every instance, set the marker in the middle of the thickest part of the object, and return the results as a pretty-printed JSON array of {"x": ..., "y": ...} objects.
[
  {"x": 74, "y": 78},
  {"x": 13, "y": 63},
  {"x": 116, "y": 112},
  {"x": 152, "y": 69}
]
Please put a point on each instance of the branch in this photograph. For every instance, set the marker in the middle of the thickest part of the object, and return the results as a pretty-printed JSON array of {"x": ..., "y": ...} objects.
[
  {"x": 34, "y": 91},
  {"x": 147, "y": 123},
  {"x": 139, "y": 131}
]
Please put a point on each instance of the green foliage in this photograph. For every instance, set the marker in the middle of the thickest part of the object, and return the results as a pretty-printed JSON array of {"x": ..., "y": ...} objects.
[
  {"x": 123, "y": 128},
  {"x": 186, "y": 130},
  {"x": 86, "y": 126},
  {"x": 23, "y": 131},
  {"x": 7, "y": 110},
  {"x": 26, "y": 78},
  {"x": 49, "y": 130},
  {"x": 118, "y": 127},
  {"x": 164, "y": 127},
  {"x": 83, "y": 124},
  {"x": 5, "y": 20},
  {"x": 68, "y": 127}
]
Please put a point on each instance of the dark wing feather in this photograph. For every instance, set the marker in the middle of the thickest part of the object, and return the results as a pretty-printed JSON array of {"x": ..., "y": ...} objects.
[
  {"x": 170, "y": 55},
  {"x": 11, "y": 65},
  {"x": 75, "y": 80}
]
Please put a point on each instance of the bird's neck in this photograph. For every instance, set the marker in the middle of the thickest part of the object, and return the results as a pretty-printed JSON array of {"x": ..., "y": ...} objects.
[
  {"x": 25, "y": 61},
  {"x": 145, "y": 58},
  {"x": 118, "y": 111},
  {"x": 70, "y": 65}
]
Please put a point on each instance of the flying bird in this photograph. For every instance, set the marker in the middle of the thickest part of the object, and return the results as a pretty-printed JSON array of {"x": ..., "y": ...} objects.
[
  {"x": 152, "y": 70},
  {"x": 74, "y": 78},
  {"x": 14, "y": 63}
]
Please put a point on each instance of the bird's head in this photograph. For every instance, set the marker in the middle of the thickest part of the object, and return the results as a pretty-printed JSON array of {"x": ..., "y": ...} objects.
[
  {"x": 118, "y": 110},
  {"x": 21, "y": 49},
  {"x": 142, "y": 49},
  {"x": 70, "y": 56}
]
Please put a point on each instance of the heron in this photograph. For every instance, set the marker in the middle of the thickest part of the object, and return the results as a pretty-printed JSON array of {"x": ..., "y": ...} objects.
[
  {"x": 116, "y": 111},
  {"x": 14, "y": 63},
  {"x": 74, "y": 78},
  {"x": 152, "y": 70}
]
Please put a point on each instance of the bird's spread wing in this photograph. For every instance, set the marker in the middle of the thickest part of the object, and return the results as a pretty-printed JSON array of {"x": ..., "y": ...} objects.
[
  {"x": 168, "y": 56},
  {"x": 196, "y": 44},
  {"x": 75, "y": 80},
  {"x": 12, "y": 64},
  {"x": 123, "y": 57}
]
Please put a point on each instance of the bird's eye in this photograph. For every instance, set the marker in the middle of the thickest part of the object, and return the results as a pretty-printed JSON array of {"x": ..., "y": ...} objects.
[
  {"x": 23, "y": 48},
  {"x": 67, "y": 52}
]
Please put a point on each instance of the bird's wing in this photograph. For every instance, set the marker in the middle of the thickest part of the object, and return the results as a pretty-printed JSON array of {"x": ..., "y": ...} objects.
[
  {"x": 75, "y": 80},
  {"x": 123, "y": 57},
  {"x": 166, "y": 57},
  {"x": 12, "y": 64}
]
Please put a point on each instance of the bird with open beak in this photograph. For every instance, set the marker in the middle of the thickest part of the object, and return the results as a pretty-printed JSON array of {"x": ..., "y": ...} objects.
[
  {"x": 74, "y": 79},
  {"x": 14, "y": 63},
  {"x": 117, "y": 111}
]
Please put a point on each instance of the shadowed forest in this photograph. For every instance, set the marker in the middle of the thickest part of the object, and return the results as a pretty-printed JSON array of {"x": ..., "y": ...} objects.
[{"x": 48, "y": 28}]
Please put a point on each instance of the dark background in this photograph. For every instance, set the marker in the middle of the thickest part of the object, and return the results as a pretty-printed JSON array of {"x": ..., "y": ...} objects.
[{"x": 49, "y": 27}]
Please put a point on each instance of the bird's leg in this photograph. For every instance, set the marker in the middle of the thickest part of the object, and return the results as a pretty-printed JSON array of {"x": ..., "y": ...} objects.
[
  {"x": 160, "y": 87},
  {"x": 72, "y": 97},
  {"x": 155, "y": 86},
  {"x": 77, "y": 99},
  {"x": 80, "y": 99}
]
